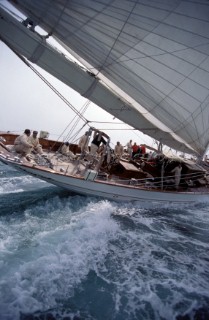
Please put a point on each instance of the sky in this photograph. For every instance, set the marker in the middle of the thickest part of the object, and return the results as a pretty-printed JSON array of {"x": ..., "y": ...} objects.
[{"x": 27, "y": 102}]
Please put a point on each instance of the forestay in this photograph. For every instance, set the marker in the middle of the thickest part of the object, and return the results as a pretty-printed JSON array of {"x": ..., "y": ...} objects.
[{"x": 154, "y": 54}]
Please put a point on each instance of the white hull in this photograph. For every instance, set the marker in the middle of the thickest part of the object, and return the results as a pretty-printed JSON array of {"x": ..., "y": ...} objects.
[{"x": 107, "y": 189}]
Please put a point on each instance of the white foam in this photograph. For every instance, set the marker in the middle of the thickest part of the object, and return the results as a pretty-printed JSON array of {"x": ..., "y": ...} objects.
[
  {"x": 48, "y": 258},
  {"x": 19, "y": 184},
  {"x": 150, "y": 264}
]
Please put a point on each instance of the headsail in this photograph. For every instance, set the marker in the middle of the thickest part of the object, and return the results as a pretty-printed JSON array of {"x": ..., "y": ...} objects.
[{"x": 152, "y": 54}]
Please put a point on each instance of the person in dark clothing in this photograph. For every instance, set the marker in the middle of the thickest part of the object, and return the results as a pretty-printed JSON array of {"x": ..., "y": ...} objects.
[{"x": 97, "y": 140}]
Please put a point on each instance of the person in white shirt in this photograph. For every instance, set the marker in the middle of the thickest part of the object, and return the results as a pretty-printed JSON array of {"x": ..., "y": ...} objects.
[
  {"x": 34, "y": 140},
  {"x": 83, "y": 143},
  {"x": 118, "y": 150},
  {"x": 177, "y": 172},
  {"x": 129, "y": 148},
  {"x": 65, "y": 150},
  {"x": 22, "y": 144}
]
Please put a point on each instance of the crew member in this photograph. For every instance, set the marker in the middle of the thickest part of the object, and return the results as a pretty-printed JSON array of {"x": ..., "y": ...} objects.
[
  {"x": 83, "y": 142},
  {"x": 135, "y": 149},
  {"x": 118, "y": 150},
  {"x": 177, "y": 172},
  {"x": 22, "y": 144},
  {"x": 34, "y": 140},
  {"x": 143, "y": 149},
  {"x": 97, "y": 140},
  {"x": 129, "y": 148},
  {"x": 65, "y": 150}
]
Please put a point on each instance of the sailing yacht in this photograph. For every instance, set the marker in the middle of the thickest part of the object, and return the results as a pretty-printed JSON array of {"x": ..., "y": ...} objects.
[{"x": 147, "y": 64}]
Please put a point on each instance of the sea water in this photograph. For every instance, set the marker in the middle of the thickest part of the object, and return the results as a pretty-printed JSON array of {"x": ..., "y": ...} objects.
[{"x": 66, "y": 256}]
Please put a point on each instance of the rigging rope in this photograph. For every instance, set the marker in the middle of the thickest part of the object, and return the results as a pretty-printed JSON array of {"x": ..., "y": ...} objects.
[
  {"x": 79, "y": 114},
  {"x": 59, "y": 94},
  {"x": 47, "y": 83}
]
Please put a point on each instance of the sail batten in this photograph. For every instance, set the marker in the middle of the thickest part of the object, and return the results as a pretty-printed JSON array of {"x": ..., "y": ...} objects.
[{"x": 155, "y": 53}]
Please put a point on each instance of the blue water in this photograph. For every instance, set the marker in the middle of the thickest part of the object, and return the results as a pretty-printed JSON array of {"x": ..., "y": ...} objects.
[{"x": 66, "y": 256}]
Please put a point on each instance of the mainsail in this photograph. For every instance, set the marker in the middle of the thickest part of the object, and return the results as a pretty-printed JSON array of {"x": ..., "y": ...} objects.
[{"x": 148, "y": 60}]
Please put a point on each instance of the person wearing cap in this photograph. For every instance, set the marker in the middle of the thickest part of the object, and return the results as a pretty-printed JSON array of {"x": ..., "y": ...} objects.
[
  {"x": 22, "y": 144},
  {"x": 34, "y": 140}
]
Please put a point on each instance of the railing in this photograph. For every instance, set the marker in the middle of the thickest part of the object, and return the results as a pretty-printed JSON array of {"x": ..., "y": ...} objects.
[{"x": 188, "y": 180}]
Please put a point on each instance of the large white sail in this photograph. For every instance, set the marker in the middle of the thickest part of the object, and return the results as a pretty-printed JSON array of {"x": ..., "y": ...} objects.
[{"x": 153, "y": 54}]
